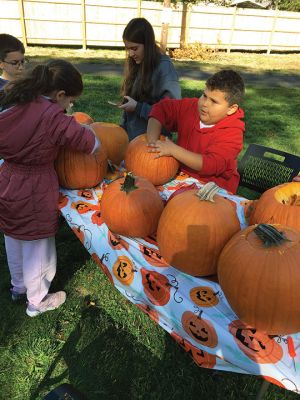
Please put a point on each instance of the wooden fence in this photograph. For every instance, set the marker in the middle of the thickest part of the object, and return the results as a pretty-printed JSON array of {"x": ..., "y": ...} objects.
[{"x": 89, "y": 23}]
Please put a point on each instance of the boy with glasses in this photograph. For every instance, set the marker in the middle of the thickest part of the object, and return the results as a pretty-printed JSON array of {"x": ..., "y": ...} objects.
[{"x": 12, "y": 58}]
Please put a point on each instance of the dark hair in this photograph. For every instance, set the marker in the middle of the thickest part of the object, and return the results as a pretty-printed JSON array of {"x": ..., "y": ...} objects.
[
  {"x": 229, "y": 82},
  {"x": 140, "y": 31},
  {"x": 43, "y": 80},
  {"x": 8, "y": 44}
]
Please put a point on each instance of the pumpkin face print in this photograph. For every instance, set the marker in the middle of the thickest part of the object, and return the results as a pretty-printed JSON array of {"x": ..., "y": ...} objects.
[
  {"x": 96, "y": 218},
  {"x": 249, "y": 206},
  {"x": 199, "y": 329},
  {"x": 156, "y": 286},
  {"x": 153, "y": 314},
  {"x": 79, "y": 233},
  {"x": 152, "y": 256},
  {"x": 123, "y": 270},
  {"x": 62, "y": 201},
  {"x": 273, "y": 380},
  {"x": 82, "y": 207},
  {"x": 181, "y": 176},
  {"x": 257, "y": 345},
  {"x": 116, "y": 243},
  {"x": 104, "y": 268},
  {"x": 87, "y": 194},
  {"x": 204, "y": 296},
  {"x": 201, "y": 357}
]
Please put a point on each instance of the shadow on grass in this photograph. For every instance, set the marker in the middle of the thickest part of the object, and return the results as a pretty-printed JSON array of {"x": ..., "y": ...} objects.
[
  {"x": 103, "y": 361},
  {"x": 194, "y": 70}
]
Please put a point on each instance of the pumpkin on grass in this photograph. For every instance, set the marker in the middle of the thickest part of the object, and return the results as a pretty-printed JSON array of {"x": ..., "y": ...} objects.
[
  {"x": 113, "y": 138},
  {"x": 259, "y": 272},
  {"x": 142, "y": 163},
  {"x": 77, "y": 170},
  {"x": 82, "y": 118},
  {"x": 131, "y": 206},
  {"x": 279, "y": 205},
  {"x": 194, "y": 227}
]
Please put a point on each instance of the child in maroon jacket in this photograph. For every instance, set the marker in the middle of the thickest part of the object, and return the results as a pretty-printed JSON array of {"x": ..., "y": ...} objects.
[
  {"x": 210, "y": 130},
  {"x": 33, "y": 125}
]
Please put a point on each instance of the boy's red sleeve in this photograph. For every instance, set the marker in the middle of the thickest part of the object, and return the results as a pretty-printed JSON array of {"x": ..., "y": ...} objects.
[
  {"x": 167, "y": 112},
  {"x": 222, "y": 153}
]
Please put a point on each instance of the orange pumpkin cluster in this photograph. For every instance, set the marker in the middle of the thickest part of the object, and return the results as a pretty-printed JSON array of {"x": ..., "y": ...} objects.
[
  {"x": 259, "y": 267},
  {"x": 77, "y": 170}
]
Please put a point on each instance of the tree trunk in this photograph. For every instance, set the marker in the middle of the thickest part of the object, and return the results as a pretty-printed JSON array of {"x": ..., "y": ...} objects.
[
  {"x": 165, "y": 25},
  {"x": 184, "y": 25}
]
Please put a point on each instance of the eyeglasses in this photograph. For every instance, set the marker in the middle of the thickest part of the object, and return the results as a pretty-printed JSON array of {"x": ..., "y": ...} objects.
[{"x": 17, "y": 63}]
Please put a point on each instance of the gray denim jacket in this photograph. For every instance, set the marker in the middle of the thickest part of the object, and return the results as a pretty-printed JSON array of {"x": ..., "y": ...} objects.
[{"x": 165, "y": 84}]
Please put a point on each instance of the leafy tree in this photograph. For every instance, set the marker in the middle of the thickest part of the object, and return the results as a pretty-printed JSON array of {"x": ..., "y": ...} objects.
[{"x": 286, "y": 5}]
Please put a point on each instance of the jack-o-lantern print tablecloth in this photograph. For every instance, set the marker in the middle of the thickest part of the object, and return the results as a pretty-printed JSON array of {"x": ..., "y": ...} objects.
[{"x": 193, "y": 310}]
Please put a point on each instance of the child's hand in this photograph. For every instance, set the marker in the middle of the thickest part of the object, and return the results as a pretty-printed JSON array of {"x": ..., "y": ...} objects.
[
  {"x": 297, "y": 178},
  {"x": 163, "y": 148},
  {"x": 130, "y": 104}
]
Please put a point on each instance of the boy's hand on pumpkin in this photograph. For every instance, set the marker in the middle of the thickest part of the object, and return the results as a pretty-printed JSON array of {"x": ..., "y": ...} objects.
[
  {"x": 130, "y": 104},
  {"x": 162, "y": 147}
]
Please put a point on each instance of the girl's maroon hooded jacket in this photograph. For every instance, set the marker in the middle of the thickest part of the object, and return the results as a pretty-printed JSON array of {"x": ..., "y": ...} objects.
[{"x": 30, "y": 136}]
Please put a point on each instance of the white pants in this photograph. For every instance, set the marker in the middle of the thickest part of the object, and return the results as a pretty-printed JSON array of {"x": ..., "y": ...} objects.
[{"x": 32, "y": 266}]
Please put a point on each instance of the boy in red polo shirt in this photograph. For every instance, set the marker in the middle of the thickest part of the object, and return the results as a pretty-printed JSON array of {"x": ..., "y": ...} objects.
[{"x": 210, "y": 130}]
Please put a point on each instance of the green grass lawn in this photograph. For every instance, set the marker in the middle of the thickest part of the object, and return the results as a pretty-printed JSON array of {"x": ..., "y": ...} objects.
[{"x": 98, "y": 341}]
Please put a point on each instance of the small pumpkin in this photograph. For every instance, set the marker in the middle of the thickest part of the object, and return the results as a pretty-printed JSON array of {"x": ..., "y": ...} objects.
[
  {"x": 194, "y": 227},
  {"x": 113, "y": 138},
  {"x": 142, "y": 163},
  {"x": 131, "y": 206},
  {"x": 82, "y": 118},
  {"x": 259, "y": 272},
  {"x": 279, "y": 205},
  {"x": 77, "y": 170}
]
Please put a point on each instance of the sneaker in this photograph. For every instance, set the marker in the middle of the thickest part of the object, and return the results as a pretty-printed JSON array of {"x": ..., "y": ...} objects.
[
  {"x": 15, "y": 296},
  {"x": 50, "y": 302}
]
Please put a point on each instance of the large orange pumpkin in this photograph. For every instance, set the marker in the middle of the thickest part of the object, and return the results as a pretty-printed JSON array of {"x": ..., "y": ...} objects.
[
  {"x": 77, "y": 170},
  {"x": 131, "y": 206},
  {"x": 259, "y": 272},
  {"x": 142, "y": 163},
  {"x": 113, "y": 138},
  {"x": 192, "y": 230},
  {"x": 82, "y": 118},
  {"x": 279, "y": 205}
]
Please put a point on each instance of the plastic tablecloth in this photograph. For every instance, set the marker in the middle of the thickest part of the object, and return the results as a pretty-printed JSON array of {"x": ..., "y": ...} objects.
[{"x": 193, "y": 310}]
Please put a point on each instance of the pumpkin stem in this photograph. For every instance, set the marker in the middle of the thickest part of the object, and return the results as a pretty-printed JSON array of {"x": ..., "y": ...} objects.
[
  {"x": 269, "y": 235},
  {"x": 129, "y": 183},
  {"x": 208, "y": 191},
  {"x": 110, "y": 167}
]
